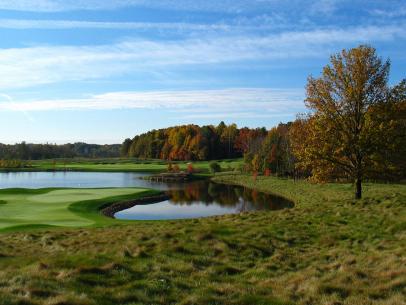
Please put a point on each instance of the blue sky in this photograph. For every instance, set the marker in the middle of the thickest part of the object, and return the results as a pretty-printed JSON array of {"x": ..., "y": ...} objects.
[{"x": 102, "y": 71}]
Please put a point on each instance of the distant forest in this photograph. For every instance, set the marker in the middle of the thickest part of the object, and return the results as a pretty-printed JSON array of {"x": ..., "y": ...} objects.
[
  {"x": 25, "y": 151},
  {"x": 193, "y": 142}
]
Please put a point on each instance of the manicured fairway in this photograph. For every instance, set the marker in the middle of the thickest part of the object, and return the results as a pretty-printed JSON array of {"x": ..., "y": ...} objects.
[
  {"x": 55, "y": 207},
  {"x": 124, "y": 165}
]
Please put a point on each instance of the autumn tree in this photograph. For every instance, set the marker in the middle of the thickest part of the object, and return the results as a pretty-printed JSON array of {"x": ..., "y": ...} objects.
[
  {"x": 249, "y": 140},
  {"x": 341, "y": 131},
  {"x": 228, "y": 135},
  {"x": 389, "y": 137},
  {"x": 276, "y": 151},
  {"x": 187, "y": 142},
  {"x": 125, "y": 147}
]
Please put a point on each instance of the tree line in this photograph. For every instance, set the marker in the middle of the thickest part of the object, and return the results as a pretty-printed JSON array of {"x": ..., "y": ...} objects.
[
  {"x": 25, "y": 151},
  {"x": 193, "y": 142}
]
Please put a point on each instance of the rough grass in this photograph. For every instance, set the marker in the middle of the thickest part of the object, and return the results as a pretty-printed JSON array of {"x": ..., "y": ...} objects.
[{"x": 328, "y": 250}]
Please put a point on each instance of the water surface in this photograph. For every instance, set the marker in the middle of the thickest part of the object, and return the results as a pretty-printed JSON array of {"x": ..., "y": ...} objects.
[
  {"x": 188, "y": 200},
  {"x": 76, "y": 180},
  {"x": 203, "y": 199}
]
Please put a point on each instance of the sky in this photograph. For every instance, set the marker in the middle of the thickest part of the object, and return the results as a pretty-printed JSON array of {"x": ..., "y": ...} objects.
[{"x": 102, "y": 71}]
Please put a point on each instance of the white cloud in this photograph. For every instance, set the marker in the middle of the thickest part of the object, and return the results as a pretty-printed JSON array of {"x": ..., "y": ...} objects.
[
  {"x": 200, "y": 103},
  {"x": 235, "y": 25},
  {"x": 196, "y": 5},
  {"x": 61, "y": 5},
  {"x": 230, "y": 6},
  {"x": 64, "y": 5},
  {"x": 390, "y": 13},
  {"x": 326, "y": 7},
  {"x": 24, "y": 24},
  {"x": 31, "y": 66}
]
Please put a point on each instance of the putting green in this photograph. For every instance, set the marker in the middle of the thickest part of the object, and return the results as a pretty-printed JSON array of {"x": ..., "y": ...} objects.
[{"x": 23, "y": 207}]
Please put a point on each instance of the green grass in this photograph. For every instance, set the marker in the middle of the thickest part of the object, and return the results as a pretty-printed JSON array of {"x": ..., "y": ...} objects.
[
  {"x": 328, "y": 249},
  {"x": 25, "y": 208},
  {"x": 121, "y": 165}
]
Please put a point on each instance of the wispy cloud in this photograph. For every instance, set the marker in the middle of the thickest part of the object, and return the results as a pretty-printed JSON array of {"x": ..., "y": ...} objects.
[
  {"x": 25, "y": 67},
  {"x": 230, "y": 6},
  {"x": 25, "y": 24},
  {"x": 10, "y": 101},
  {"x": 198, "y": 103},
  {"x": 326, "y": 7},
  {"x": 390, "y": 13},
  {"x": 269, "y": 23},
  {"x": 238, "y": 24},
  {"x": 196, "y": 5},
  {"x": 64, "y": 5}
]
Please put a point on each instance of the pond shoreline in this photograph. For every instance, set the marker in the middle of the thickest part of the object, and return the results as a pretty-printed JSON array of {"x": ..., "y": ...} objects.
[
  {"x": 218, "y": 179},
  {"x": 191, "y": 199},
  {"x": 114, "y": 208}
]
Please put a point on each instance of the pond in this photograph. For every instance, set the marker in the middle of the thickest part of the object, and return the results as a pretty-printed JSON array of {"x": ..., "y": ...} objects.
[
  {"x": 75, "y": 180},
  {"x": 187, "y": 200}
]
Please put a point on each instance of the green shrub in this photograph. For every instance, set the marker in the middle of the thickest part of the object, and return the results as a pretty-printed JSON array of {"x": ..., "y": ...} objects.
[{"x": 214, "y": 167}]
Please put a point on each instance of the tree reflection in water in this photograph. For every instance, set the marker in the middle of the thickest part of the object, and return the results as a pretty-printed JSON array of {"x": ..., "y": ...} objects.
[{"x": 243, "y": 199}]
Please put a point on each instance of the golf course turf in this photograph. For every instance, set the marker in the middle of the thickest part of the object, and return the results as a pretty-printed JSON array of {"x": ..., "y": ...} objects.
[
  {"x": 121, "y": 165},
  {"x": 329, "y": 249},
  {"x": 27, "y": 208}
]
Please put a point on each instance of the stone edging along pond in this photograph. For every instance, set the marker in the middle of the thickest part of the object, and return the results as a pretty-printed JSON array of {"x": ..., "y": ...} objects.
[{"x": 120, "y": 206}]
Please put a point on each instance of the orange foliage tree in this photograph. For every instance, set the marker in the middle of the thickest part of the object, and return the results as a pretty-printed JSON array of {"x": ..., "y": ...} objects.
[{"x": 338, "y": 138}]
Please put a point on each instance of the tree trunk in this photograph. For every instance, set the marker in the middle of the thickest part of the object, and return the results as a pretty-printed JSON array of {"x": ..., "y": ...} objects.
[{"x": 358, "y": 188}]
